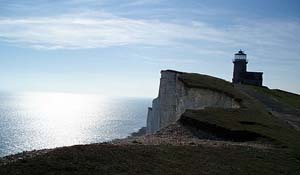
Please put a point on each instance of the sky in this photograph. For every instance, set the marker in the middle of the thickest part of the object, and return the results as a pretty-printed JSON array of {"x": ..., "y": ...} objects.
[{"x": 119, "y": 47}]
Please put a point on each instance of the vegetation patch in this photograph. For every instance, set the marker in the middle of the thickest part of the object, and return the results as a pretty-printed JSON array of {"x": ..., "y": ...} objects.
[
  {"x": 193, "y": 80},
  {"x": 219, "y": 133},
  {"x": 286, "y": 98},
  {"x": 252, "y": 123},
  {"x": 252, "y": 117},
  {"x": 159, "y": 159}
]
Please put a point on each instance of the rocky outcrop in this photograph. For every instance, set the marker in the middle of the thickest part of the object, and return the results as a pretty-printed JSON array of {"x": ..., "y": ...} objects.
[{"x": 175, "y": 97}]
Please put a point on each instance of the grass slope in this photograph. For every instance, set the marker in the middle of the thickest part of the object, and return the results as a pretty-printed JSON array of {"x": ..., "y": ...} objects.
[
  {"x": 164, "y": 159},
  {"x": 286, "y": 98},
  {"x": 208, "y": 82},
  {"x": 252, "y": 116}
]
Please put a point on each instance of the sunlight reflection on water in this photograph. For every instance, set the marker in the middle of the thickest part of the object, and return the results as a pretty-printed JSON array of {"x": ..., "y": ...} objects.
[{"x": 46, "y": 120}]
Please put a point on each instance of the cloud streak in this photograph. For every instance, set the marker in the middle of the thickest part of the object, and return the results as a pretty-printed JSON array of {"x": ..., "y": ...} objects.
[
  {"x": 96, "y": 31},
  {"x": 100, "y": 30}
]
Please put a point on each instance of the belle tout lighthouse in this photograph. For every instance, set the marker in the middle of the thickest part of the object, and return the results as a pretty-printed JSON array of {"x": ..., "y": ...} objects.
[{"x": 240, "y": 74}]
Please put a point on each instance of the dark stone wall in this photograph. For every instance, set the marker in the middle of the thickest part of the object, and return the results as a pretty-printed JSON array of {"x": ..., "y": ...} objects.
[
  {"x": 252, "y": 78},
  {"x": 240, "y": 66}
]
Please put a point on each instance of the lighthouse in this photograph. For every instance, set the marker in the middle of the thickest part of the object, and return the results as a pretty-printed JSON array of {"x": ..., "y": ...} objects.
[
  {"x": 240, "y": 74},
  {"x": 240, "y": 66}
]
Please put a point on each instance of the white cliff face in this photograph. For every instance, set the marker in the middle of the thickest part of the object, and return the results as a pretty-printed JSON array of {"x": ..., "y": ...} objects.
[{"x": 174, "y": 98}]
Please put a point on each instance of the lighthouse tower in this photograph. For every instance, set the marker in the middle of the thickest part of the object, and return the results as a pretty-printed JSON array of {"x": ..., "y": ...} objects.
[
  {"x": 240, "y": 67},
  {"x": 240, "y": 73}
]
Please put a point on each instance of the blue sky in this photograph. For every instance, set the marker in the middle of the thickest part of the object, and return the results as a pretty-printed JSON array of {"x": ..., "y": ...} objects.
[{"x": 118, "y": 47}]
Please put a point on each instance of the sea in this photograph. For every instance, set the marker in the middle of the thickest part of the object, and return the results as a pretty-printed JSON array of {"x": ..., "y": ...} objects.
[{"x": 40, "y": 120}]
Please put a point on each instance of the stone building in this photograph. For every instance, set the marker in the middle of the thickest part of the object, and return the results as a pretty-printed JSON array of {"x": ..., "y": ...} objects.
[{"x": 240, "y": 74}]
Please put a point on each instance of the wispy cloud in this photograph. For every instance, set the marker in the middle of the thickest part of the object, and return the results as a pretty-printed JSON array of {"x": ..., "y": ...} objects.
[
  {"x": 98, "y": 30},
  {"x": 269, "y": 40},
  {"x": 142, "y": 2}
]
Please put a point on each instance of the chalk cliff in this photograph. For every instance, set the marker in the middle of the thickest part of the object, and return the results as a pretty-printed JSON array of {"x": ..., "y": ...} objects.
[{"x": 175, "y": 96}]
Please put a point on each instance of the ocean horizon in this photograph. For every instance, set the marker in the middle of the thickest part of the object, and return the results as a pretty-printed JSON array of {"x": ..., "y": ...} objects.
[{"x": 42, "y": 120}]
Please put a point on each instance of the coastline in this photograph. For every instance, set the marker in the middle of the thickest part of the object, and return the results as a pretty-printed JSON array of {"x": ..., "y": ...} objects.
[
  {"x": 175, "y": 135},
  {"x": 159, "y": 153},
  {"x": 36, "y": 152}
]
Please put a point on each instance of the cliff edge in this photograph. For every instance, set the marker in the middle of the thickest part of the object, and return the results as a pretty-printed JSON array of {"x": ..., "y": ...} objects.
[
  {"x": 177, "y": 94},
  {"x": 213, "y": 108}
]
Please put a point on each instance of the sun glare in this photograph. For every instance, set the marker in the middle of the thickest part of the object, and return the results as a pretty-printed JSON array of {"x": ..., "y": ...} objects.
[{"x": 62, "y": 115}]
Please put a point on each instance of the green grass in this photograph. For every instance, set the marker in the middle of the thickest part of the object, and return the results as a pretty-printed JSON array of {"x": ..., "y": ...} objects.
[
  {"x": 264, "y": 124},
  {"x": 164, "y": 159},
  {"x": 291, "y": 99},
  {"x": 193, "y": 80},
  {"x": 251, "y": 111}
]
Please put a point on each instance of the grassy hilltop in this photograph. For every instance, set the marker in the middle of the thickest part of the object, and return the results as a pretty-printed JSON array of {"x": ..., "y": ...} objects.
[
  {"x": 253, "y": 116},
  {"x": 261, "y": 137}
]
